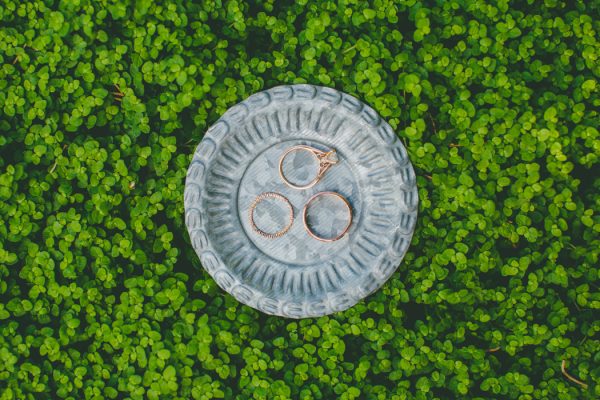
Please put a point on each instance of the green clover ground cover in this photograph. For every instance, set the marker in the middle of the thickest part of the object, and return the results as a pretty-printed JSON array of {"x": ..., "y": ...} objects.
[{"x": 102, "y": 104}]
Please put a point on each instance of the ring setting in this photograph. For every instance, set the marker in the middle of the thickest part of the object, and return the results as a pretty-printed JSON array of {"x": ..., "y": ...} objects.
[{"x": 325, "y": 159}]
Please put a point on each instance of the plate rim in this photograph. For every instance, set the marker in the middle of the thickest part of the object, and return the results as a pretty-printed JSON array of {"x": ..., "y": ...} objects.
[{"x": 206, "y": 252}]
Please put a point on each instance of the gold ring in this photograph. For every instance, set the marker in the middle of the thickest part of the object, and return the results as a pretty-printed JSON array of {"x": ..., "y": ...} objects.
[
  {"x": 324, "y": 158},
  {"x": 272, "y": 195},
  {"x": 346, "y": 228}
]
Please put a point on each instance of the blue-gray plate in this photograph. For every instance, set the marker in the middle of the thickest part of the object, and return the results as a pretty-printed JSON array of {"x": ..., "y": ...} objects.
[{"x": 296, "y": 275}]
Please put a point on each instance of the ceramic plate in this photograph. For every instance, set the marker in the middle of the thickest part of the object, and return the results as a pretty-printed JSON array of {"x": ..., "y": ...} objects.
[{"x": 296, "y": 275}]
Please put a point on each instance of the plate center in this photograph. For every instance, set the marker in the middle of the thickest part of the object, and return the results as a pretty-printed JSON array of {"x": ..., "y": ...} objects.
[{"x": 297, "y": 247}]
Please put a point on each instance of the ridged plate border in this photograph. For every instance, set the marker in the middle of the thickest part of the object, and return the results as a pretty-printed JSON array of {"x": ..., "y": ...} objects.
[{"x": 400, "y": 232}]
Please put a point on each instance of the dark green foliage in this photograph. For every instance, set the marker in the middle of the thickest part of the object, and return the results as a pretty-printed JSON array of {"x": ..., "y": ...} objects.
[{"x": 102, "y": 104}]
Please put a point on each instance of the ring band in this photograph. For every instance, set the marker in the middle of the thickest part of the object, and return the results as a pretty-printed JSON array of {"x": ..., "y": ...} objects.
[
  {"x": 324, "y": 159},
  {"x": 346, "y": 228},
  {"x": 271, "y": 195}
]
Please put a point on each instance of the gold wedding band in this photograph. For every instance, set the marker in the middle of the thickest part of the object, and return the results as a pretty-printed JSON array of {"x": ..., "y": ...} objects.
[
  {"x": 271, "y": 195},
  {"x": 346, "y": 228},
  {"x": 324, "y": 158}
]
